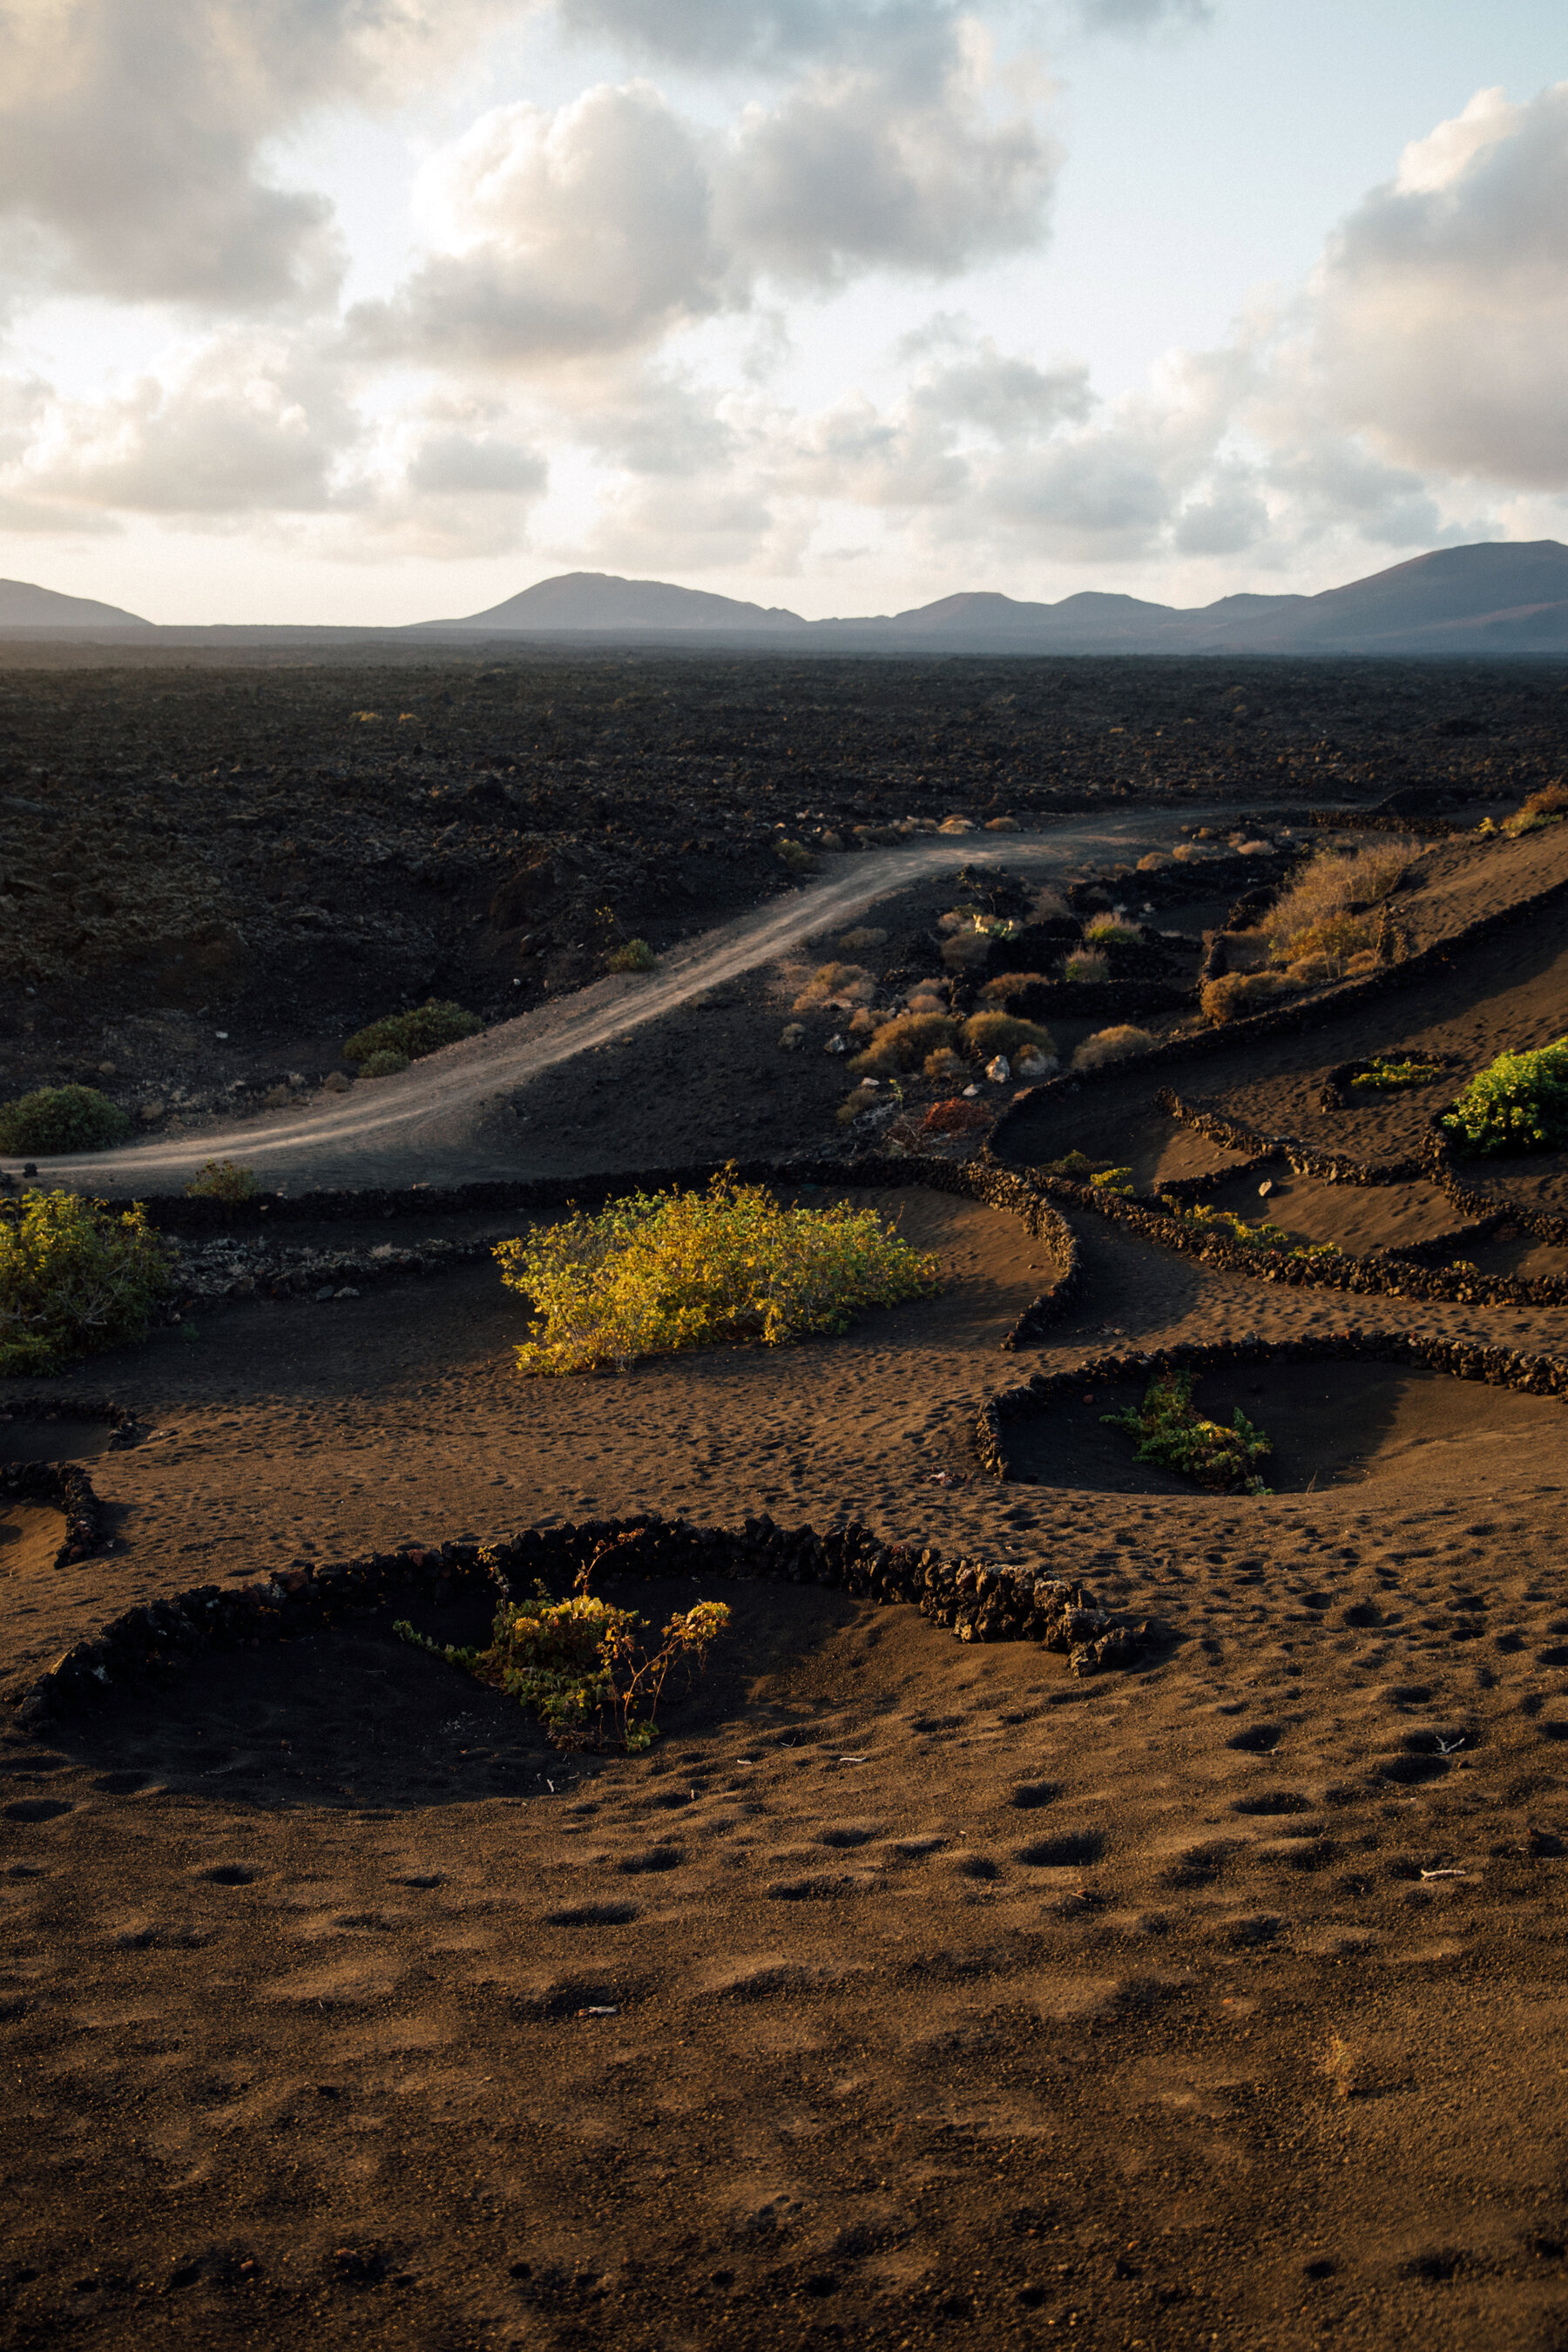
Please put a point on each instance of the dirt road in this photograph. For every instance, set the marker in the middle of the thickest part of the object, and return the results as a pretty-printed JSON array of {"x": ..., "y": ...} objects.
[{"x": 442, "y": 1120}]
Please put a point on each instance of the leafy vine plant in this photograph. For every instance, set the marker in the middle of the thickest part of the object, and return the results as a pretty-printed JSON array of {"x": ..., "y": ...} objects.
[{"x": 591, "y": 1672}]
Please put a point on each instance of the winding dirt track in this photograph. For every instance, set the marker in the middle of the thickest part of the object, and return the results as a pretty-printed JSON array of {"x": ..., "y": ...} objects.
[{"x": 437, "y": 1120}]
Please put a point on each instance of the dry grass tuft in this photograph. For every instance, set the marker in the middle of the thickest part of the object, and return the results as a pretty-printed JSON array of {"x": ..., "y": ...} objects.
[
  {"x": 1237, "y": 993},
  {"x": 835, "y": 988},
  {"x": 854, "y": 942},
  {"x": 989, "y": 1034},
  {"x": 903, "y": 1045},
  {"x": 1328, "y": 909},
  {"x": 1112, "y": 1045},
  {"x": 1086, "y": 963}
]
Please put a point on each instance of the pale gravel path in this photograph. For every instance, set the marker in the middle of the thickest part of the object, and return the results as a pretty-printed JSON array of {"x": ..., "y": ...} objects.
[{"x": 439, "y": 1122}]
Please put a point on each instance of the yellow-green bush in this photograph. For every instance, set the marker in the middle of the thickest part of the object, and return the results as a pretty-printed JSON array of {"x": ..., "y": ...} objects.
[
  {"x": 986, "y": 1034},
  {"x": 1086, "y": 963},
  {"x": 74, "y": 1278},
  {"x": 591, "y": 1672},
  {"x": 904, "y": 1044},
  {"x": 1105, "y": 931},
  {"x": 62, "y": 1119},
  {"x": 424, "y": 1030},
  {"x": 659, "y": 1273}
]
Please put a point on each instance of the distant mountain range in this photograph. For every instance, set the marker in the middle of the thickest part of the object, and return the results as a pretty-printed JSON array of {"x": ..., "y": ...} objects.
[{"x": 1496, "y": 597}]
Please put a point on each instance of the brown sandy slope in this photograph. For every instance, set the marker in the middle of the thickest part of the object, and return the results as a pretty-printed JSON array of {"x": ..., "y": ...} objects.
[{"x": 954, "y": 2001}]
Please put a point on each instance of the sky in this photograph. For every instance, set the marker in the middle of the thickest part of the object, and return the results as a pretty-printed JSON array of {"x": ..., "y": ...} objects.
[{"x": 366, "y": 311}]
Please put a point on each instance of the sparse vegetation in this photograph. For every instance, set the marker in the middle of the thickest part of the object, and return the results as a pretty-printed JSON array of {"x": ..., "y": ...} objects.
[
  {"x": 659, "y": 1273},
  {"x": 591, "y": 1672},
  {"x": 1230, "y": 1227},
  {"x": 1172, "y": 1431},
  {"x": 74, "y": 1278},
  {"x": 794, "y": 857},
  {"x": 1331, "y": 905},
  {"x": 1112, "y": 1045},
  {"x": 385, "y": 1065},
  {"x": 424, "y": 1030},
  {"x": 1086, "y": 963},
  {"x": 1519, "y": 1104},
  {"x": 62, "y": 1119},
  {"x": 1080, "y": 1169},
  {"x": 221, "y": 1179},
  {"x": 1388, "y": 1074},
  {"x": 1542, "y": 808},
  {"x": 1108, "y": 931},
  {"x": 635, "y": 956}
]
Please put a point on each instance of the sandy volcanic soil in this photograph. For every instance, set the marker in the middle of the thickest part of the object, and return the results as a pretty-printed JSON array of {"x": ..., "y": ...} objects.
[{"x": 950, "y": 2001}]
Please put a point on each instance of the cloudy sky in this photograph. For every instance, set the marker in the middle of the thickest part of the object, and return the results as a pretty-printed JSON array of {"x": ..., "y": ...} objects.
[{"x": 372, "y": 311}]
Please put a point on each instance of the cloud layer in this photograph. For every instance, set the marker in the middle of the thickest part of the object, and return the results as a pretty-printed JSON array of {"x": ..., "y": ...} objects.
[{"x": 604, "y": 290}]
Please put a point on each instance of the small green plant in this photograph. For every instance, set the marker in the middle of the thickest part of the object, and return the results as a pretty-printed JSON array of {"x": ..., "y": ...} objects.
[
  {"x": 424, "y": 1030},
  {"x": 383, "y": 1065},
  {"x": 1229, "y": 1226},
  {"x": 62, "y": 1119},
  {"x": 635, "y": 956},
  {"x": 794, "y": 857},
  {"x": 659, "y": 1273},
  {"x": 1080, "y": 1169},
  {"x": 593, "y": 1672},
  {"x": 1388, "y": 1074},
  {"x": 74, "y": 1278},
  {"x": 1086, "y": 965},
  {"x": 1519, "y": 1104},
  {"x": 220, "y": 1180},
  {"x": 1105, "y": 931},
  {"x": 1171, "y": 1430}
]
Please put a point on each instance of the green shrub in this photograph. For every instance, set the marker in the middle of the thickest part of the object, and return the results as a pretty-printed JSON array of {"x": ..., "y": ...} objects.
[
  {"x": 1086, "y": 964},
  {"x": 1519, "y": 1104},
  {"x": 73, "y": 1279},
  {"x": 1105, "y": 931},
  {"x": 794, "y": 857},
  {"x": 1170, "y": 1431},
  {"x": 62, "y": 1119},
  {"x": 593, "y": 1672},
  {"x": 1388, "y": 1074},
  {"x": 383, "y": 1064},
  {"x": 1547, "y": 806},
  {"x": 414, "y": 1035},
  {"x": 985, "y": 1033},
  {"x": 635, "y": 956},
  {"x": 659, "y": 1273},
  {"x": 222, "y": 1180},
  {"x": 904, "y": 1044}
]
